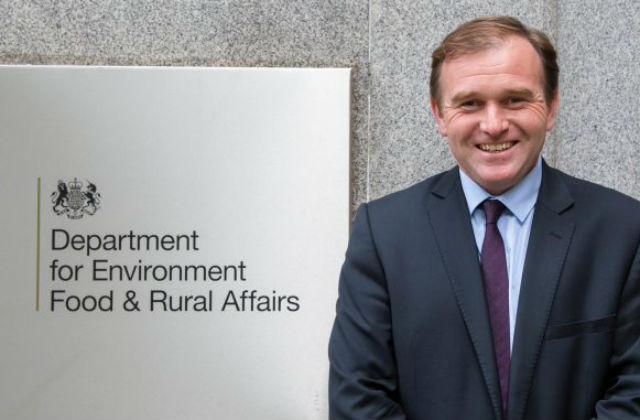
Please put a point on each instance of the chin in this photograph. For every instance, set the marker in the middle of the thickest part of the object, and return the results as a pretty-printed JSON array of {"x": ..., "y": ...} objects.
[{"x": 497, "y": 185}]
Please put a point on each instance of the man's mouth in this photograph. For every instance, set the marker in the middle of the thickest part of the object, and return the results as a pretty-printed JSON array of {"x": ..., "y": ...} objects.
[{"x": 496, "y": 147}]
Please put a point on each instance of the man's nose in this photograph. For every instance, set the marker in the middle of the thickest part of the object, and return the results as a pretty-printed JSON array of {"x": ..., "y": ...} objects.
[{"x": 494, "y": 121}]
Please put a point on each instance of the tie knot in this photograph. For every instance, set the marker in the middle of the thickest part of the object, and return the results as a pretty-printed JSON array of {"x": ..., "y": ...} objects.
[{"x": 492, "y": 210}]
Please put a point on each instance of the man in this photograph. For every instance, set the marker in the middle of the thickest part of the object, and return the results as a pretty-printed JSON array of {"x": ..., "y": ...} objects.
[{"x": 502, "y": 288}]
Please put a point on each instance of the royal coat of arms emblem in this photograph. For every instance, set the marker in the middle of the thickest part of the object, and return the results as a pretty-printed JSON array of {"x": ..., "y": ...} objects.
[{"x": 72, "y": 199}]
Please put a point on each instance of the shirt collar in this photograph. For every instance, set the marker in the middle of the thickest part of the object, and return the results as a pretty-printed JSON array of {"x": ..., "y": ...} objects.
[{"x": 519, "y": 199}]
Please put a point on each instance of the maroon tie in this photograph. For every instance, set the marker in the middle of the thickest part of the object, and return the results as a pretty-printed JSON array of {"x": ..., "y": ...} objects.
[{"x": 496, "y": 286}]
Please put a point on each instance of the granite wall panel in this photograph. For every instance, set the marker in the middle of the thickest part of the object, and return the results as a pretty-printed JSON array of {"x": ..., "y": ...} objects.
[{"x": 599, "y": 125}]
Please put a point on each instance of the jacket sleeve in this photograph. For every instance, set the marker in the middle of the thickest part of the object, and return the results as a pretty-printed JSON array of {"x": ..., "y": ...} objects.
[
  {"x": 622, "y": 398},
  {"x": 362, "y": 378}
]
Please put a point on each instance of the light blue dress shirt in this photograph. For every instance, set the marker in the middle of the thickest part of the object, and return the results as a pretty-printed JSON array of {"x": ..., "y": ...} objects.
[{"x": 514, "y": 225}]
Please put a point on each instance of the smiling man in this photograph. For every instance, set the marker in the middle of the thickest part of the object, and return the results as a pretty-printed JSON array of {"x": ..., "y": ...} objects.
[
  {"x": 492, "y": 108},
  {"x": 502, "y": 288}
]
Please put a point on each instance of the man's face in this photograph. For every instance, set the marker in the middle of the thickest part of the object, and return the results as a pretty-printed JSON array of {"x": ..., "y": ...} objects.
[{"x": 493, "y": 112}]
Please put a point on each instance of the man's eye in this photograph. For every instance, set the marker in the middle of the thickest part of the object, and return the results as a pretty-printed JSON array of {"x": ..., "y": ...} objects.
[
  {"x": 515, "y": 100},
  {"x": 469, "y": 104}
]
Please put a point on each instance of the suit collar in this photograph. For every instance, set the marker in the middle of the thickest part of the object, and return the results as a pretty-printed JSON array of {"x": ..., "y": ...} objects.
[
  {"x": 551, "y": 234},
  {"x": 449, "y": 219},
  {"x": 445, "y": 184},
  {"x": 519, "y": 200},
  {"x": 554, "y": 193}
]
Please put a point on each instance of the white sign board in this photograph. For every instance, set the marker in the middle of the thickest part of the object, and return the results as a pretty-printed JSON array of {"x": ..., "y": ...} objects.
[{"x": 171, "y": 240}]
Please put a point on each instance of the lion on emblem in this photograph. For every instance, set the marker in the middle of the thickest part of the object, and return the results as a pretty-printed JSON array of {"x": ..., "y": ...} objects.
[{"x": 60, "y": 198}]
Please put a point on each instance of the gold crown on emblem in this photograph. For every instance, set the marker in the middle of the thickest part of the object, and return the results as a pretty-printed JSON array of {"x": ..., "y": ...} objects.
[{"x": 75, "y": 184}]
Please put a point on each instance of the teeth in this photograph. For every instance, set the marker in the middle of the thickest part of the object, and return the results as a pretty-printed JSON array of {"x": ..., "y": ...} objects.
[{"x": 496, "y": 147}]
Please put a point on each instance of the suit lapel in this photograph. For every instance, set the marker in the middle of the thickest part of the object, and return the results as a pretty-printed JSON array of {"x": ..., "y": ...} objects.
[
  {"x": 451, "y": 224},
  {"x": 549, "y": 242}
]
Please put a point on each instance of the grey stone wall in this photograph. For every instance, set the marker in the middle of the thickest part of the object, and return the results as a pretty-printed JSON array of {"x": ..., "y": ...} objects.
[
  {"x": 387, "y": 43},
  {"x": 599, "y": 129}
]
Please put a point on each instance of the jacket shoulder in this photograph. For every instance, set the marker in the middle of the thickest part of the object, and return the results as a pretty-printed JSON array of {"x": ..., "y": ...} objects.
[
  {"x": 595, "y": 204},
  {"x": 412, "y": 198},
  {"x": 597, "y": 195}
]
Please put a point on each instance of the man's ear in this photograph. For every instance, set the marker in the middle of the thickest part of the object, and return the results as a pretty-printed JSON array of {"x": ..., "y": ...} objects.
[
  {"x": 553, "y": 111},
  {"x": 436, "y": 113}
]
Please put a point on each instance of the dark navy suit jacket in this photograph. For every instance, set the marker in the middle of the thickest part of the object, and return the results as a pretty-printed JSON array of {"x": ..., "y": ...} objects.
[{"x": 412, "y": 336}]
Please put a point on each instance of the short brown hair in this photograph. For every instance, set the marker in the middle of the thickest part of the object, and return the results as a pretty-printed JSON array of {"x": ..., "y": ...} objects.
[{"x": 485, "y": 32}]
